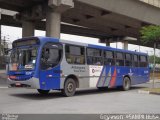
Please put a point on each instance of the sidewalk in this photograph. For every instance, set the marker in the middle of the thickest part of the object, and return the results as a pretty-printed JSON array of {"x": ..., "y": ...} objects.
[
  {"x": 2, "y": 71},
  {"x": 3, "y": 78}
]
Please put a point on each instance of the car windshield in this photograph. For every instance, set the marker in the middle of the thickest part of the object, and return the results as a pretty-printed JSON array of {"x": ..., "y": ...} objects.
[{"x": 23, "y": 59}]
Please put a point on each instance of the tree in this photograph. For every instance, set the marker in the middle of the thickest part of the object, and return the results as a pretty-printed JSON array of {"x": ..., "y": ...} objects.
[
  {"x": 151, "y": 34},
  {"x": 151, "y": 59}
]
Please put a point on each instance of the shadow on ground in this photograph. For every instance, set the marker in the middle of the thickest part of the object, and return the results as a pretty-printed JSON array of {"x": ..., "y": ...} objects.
[{"x": 57, "y": 94}]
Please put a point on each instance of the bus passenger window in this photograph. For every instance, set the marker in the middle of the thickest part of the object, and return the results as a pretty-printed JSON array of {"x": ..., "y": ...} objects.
[
  {"x": 51, "y": 56},
  {"x": 109, "y": 58},
  {"x": 75, "y": 54},
  {"x": 119, "y": 59},
  {"x": 94, "y": 57},
  {"x": 128, "y": 59},
  {"x": 143, "y": 61},
  {"x": 135, "y": 60}
]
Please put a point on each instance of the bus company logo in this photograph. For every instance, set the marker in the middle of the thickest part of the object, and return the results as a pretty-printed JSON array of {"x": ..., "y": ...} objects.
[
  {"x": 9, "y": 117},
  {"x": 146, "y": 72},
  {"x": 78, "y": 68},
  {"x": 95, "y": 70},
  {"x": 28, "y": 73}
]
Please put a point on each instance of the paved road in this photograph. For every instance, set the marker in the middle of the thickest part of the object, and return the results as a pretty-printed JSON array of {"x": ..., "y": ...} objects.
[{"x": 85, "y": 101}]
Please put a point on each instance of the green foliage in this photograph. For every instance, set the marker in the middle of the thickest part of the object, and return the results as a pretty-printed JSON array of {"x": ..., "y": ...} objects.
[
  {"x": 151, "y": 59},
  {"x": 150, "y": 33}
]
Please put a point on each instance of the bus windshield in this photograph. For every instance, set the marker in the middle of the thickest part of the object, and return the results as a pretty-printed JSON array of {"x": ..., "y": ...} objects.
[{"x": 23, "y": 59}]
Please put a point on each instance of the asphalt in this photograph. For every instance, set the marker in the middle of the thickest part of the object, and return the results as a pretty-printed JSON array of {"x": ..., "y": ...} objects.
[{"x": 84, "y": 102}]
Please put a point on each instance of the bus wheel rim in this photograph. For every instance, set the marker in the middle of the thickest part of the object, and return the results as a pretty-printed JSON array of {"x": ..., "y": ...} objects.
[{"x": 70, "y": 87}]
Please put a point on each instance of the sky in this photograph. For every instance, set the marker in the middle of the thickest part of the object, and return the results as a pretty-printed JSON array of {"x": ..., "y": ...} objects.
[{"x": 13, "y": 33}]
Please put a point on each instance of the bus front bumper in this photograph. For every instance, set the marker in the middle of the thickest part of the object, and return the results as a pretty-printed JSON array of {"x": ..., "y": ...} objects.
[{"x": 32, "y": 83}]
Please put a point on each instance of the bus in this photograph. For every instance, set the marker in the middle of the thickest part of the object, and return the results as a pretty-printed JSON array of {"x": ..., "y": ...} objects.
[{"x": 46, "y": 63}]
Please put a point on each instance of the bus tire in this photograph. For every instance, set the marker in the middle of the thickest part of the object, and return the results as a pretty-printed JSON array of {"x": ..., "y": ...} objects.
[
  {"x": 126, "y": 84},
  {"x": 69, "y": 87},
  {"x": 43, "y": 92}
]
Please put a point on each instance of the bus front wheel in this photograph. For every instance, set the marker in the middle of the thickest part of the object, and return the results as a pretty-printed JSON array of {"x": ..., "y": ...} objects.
[
  {"x": 43, "y": 92},
  {"x": 69, "y": 87},
  {"x": 126, "y": 84}
]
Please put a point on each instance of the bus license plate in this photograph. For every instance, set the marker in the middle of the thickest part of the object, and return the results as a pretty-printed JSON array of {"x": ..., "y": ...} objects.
[{"x": 18, "y": 84}]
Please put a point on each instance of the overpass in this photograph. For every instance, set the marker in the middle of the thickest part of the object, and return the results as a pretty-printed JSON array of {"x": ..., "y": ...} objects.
[{"x": 108, "y": 20}]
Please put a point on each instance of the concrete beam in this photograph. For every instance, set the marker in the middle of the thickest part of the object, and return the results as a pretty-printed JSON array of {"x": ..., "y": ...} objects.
[
  {"x": 100, "y": 27},
  {"x": 60, "y": 5},
  {"x": 37, "y": 12},
  {"x": 130, "y": 8},
  {"x": 65, "y": 28},
  {"x": 28, "y": 28}
]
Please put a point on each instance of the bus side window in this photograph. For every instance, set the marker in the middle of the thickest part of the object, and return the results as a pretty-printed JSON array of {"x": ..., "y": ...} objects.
[
  {"x": 119, "y": 59},
  {"x": 75, "y": 54},
  {"x": 128, "y": 59},
  {"x": 109, "y": 58},
  {"x": 94, "y": 56},
  {"x": 143, "y": 61},
  {"x": 51, "y": 55},
  {"x": 135, "y": 60}
]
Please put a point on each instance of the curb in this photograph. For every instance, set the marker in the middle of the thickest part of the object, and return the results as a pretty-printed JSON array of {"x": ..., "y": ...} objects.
[
  {"x": 147, "y": 92},
  {"x": 3, "y": 87},
  {"x": 143, "y": 92}
]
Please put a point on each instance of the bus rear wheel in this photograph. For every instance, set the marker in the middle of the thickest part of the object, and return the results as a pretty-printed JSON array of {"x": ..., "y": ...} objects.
[
  {"x": 126, "y": 84},
  {"x": 69, "y": 87},
  {"x": 43, "y": 92}
]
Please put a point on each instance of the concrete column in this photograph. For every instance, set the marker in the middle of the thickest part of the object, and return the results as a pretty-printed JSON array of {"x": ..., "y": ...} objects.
[
  {"x": 28, "y": 28},
  {"x": 107, "y": 43},
  {"x": 125, "y": 45},
  {"x": 53, "y": 23}
]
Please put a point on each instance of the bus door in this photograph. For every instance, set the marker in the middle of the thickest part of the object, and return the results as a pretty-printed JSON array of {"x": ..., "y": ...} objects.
[
  {"x": 143, "y": 68},
  {"x": 49, "y": 74},
  {"x": 135, "y": 69}
]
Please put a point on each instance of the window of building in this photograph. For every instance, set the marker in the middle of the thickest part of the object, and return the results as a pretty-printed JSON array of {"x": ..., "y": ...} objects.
[
  {"x": 75, "y": 54},
  {"x": 94, "y": 56}
]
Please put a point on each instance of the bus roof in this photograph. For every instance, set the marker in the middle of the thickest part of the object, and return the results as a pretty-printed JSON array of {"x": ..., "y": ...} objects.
[{"x": 43, "y": 40}]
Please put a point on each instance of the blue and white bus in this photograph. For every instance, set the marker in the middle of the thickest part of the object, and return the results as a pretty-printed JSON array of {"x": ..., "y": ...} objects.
[{"x": 46, "y": 64}]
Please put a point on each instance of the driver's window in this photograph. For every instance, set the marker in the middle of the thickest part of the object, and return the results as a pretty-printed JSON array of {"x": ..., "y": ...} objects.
[{"x": 51, "y": 55}]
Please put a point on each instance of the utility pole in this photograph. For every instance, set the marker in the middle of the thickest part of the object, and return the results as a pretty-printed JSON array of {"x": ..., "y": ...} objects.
[{"x": 154, "y": 65}]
